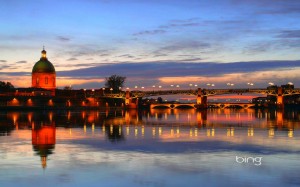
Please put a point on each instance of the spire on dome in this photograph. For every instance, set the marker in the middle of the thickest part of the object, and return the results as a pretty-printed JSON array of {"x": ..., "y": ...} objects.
[{"x": 44, "y": 53}]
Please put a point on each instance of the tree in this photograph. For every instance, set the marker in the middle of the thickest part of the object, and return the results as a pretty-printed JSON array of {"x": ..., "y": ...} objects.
[
  {"x": 115, "y": 82},
  {"x": 5, "y": 86}
]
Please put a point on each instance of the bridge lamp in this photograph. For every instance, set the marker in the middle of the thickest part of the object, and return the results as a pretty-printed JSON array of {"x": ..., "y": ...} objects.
[
  {"x": 271, "y": 83},
  {"x": 231, "y": 84},
  {"x": 159, "y": 86},
  {"x": 153, "y": 86},
  {"x": 127, "y": 88},
  {"x": 290, "y": 83},
  {"x": 212, "y": 84},
  {"x": 172, "y": 85},
  {"x": 177, "y": 86},
  {"x": 228, "y": 84},
  {"x": 135, "y": 86},
  {"x": 208, "y": 84},
  {"x": 195, "y": 85},
  {"x": 143, "y": 87}
]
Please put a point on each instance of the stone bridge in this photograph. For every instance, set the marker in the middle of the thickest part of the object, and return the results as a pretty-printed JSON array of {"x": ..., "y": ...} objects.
[
  {"x": 173, "y": 105},
  {"x": 132, "y": 97},
  {"x": 227, "y": 105}
]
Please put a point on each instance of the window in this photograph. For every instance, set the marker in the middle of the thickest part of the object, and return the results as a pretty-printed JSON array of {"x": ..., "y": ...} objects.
[
  {"x": 46, "y": 80},
  {"x": 37, "y": 81}
]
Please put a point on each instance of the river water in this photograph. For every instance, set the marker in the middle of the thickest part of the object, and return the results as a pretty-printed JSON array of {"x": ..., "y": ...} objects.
[{"x": 161, "y": 147}]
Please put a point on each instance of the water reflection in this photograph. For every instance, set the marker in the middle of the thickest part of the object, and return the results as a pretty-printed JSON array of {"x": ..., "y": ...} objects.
[
  {"x": 124, "y": 135},
  {"x": 43, "y": 140},
  {"x": 118, "y": 124}
]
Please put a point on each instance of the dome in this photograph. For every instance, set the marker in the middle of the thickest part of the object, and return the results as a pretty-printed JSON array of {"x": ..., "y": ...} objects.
[{"x": 43, "y": 65}]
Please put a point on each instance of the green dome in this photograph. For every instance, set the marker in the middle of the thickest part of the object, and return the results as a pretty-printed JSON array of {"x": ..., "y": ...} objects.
[{"x": 43, "y": 65}]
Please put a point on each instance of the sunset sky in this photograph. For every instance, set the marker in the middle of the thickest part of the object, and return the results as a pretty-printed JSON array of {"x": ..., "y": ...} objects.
[{"x": 152, "y": 42}]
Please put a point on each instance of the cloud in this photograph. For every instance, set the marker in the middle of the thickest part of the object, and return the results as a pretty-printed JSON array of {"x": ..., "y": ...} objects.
[
  {"x": 87, "y": 50},
  {"x": 63, "y": 39},
  {"x": 21, "y": 62},
  {"x": 258, "y": 47},
  {"x": 4, "y": 67},
  {"x": 157, "y": 69},
  {"x": 3, "y": 61},
  {"x": 184, "y": 45},
  {"x": 160, "y": 55},
  {"x": 102, "y": 55},
  {"x": 167, "y": 72},
  {"x": 126, "y": 55},
  {"x": 72, "y": 59},
  {"x": 289, "y": 34},
  {"x": 150, "y": 32},
  {"x": 191, "y": 22}
]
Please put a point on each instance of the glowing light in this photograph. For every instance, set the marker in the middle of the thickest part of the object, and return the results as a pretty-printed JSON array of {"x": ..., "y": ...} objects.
[
  {"x": 153, "y": 131},
  {"x": 271, "y": 133},
  {"x": 291, "y": 133},
  {"x": 127, "y": 131}
]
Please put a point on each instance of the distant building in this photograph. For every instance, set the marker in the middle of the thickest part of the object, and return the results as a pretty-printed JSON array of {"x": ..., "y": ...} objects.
[{"x": 43, "y": 74}]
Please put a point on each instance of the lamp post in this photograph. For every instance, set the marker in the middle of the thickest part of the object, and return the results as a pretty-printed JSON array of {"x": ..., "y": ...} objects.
[
  {"x": 230, "y": 84},
  {"x": 250, "y": 84},
  {"x": 103, "y": 89},
  {"x": 93, "y": 96}
]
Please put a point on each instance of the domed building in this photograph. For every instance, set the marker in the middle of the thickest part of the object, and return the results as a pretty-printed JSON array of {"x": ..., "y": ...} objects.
[{"x": 43, "y": 74}]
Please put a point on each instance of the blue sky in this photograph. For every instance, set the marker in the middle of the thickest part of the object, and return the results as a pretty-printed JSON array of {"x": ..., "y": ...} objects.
[{"x": 109, "y": 34}]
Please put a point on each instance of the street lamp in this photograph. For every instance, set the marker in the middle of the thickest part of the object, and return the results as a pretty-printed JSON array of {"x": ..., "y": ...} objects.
[
  {"x": 84, "y": 93},
  {"x": 103, "y": 89},
  {"x": 93, "y": 90},
  {"x": 111, "y": 89}
]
